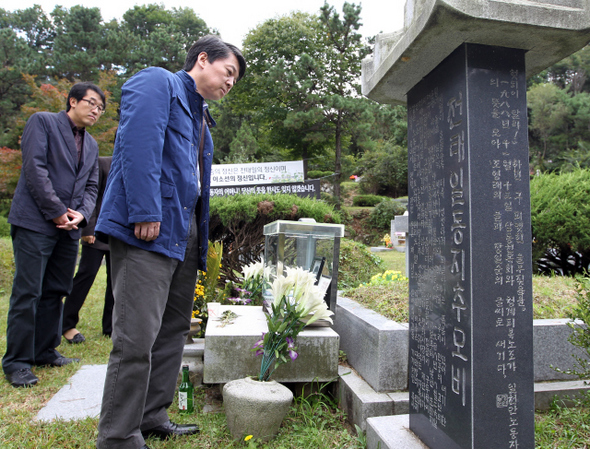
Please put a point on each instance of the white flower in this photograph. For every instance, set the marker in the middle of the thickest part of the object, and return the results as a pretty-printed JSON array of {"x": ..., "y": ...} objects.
[
  {"x": 300, "y": 289},
  {"x": 253, "y": 270}
]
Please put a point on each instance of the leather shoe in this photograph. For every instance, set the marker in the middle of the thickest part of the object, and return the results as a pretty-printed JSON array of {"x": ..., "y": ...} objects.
[
  {"x": 62, "y": 361},
  {"x": 76, "y": 339},
  {"x": 22, "y": 378},
  {"x": 170, "y": 429}
]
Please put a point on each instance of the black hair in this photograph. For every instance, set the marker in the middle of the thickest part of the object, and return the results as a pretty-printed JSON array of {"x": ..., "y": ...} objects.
[
  {"x": 78, "y": 91},
  {"x": 215, "y": 49}
]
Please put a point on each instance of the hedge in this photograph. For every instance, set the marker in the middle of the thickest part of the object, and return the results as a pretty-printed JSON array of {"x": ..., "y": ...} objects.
[{"x": 238, "y": 222}]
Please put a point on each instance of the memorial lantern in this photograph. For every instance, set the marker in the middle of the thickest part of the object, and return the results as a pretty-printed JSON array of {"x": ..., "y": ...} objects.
[{"x": 306, "y": 244}]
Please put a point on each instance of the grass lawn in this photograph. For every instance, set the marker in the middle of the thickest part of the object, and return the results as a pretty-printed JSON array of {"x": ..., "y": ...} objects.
[
  {"x": 552, "y": 296},
  {"x": 313, "y": 422}
]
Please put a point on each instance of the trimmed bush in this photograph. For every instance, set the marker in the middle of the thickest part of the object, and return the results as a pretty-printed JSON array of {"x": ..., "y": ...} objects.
[
  {"x": 384, "y": 212},
  {"x": 560, "y": 215},
  {"x": 366, "y": 200},
  {"x": 317, "y": 174},
  {"x": 238, "y": 222},
  {"x": 357, "y": 264}
]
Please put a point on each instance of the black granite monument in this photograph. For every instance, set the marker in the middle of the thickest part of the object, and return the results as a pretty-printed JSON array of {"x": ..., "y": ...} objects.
[{"x": 471, "y": 342}]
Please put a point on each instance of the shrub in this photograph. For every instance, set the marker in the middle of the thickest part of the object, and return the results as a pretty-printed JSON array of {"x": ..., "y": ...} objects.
[
  {"x": 385, "y": 171},
  {"x": 356, "y": 265},
  {"x": 238, "y": 222},
  {"x": 317, "y": 174},
  {"x": 366, "y": 200},
  {"x": 560, "y": 215},
  {"x": 580, "y": 337},
  {"x": 384, "y": 212}
]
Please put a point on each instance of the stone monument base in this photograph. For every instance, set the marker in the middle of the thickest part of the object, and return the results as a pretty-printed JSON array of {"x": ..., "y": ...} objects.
[{"x": 392, "y": 432}]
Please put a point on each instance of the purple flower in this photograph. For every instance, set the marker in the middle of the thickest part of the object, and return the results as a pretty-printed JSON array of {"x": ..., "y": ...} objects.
[
  {"x": 290, "y": 346},
  {"x": 259, "y": 346}
]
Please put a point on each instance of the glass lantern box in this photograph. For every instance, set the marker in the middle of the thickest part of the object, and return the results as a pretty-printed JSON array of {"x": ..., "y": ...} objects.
[{"x": 307, "y": 244}]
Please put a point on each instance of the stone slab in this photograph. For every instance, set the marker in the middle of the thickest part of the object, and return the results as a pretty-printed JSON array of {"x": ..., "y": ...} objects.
[
  {"x": 392, "y": 432},
  {"x": 549, "y": 30},
  {"x": 375, "y": 346},
  {"x": 547, "y": 392},
  {"x": 551, "y": 348},
  {"x": 359, "y": 400},
  {"x": 79, "y": 399},
  {"x": 228, "y": 354}
]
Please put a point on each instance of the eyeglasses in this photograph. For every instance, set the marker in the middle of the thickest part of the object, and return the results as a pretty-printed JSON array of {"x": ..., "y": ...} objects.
[{"x": 94, "y": 105}]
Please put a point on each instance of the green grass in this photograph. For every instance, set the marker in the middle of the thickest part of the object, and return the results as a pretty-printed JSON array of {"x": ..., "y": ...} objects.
[
  {"x": 313, "y": 422},
  {"x": 552, "y": 295},
  {"x": 564, "y": 427}
]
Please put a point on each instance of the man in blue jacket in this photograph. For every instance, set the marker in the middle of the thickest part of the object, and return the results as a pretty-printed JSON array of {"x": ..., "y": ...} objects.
[
  {"x": 54, "y": 197},
  {"x": 155, "y": 212}
]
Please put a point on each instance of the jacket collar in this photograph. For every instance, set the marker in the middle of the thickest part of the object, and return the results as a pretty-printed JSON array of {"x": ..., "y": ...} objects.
[{"x": 191, "y": 87}]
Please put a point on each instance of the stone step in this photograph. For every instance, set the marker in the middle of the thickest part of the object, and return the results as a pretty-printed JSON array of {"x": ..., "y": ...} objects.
[
  {"x": 195, "y": 349},
  {"x": 361, "y": 402},
  {"x": 392, "y": 432}
]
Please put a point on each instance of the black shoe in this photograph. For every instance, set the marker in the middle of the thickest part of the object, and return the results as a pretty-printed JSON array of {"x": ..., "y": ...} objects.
[
  {"x": 22, "y": 378},
  {"x": 61, "y": 361},
  {"x": 76, "y": 339},
  {"x": 169, "y": 429}
]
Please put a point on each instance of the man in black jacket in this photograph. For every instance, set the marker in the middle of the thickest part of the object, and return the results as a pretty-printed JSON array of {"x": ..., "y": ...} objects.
[
  {"x": 55, "y": 196},
  {"x": 93, "y": 253}
]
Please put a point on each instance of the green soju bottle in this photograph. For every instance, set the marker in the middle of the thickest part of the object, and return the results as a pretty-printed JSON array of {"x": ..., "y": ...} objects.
[{"x": 186, "y": 393}]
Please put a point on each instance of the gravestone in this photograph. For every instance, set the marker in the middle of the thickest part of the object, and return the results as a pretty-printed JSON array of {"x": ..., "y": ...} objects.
[
  {"x": 471, "y": 358},
  {"x": 461, "y": 67}
]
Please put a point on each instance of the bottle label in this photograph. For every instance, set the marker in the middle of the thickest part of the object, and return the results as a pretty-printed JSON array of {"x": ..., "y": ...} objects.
[{"x": 182, "y": 400}]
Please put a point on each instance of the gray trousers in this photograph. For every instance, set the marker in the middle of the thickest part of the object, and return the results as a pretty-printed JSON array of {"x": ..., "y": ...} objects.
[{"x": 151, "y": 319}]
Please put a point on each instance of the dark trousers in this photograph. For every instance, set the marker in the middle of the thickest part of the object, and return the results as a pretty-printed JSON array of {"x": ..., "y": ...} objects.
[
  {"x": 44, "y": 273},
  {"x": 87, "y": 269},
  {"x": 154, "y": 297}
]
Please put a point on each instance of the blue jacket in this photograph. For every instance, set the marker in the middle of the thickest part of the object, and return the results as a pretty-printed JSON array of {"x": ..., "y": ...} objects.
[
  {"x": 51, "y": 178},
  {"x": 154, "y": 174}
]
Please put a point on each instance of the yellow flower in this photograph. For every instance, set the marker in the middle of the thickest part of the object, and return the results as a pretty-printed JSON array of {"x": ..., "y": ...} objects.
[{"x": 249, "y": 437}]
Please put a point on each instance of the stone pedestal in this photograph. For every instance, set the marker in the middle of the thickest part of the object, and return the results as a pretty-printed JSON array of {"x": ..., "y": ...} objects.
[{"x": 228, "y": 354}]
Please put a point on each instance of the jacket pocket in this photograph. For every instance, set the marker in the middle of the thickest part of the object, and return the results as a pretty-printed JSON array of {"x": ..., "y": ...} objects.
[{"x": 180, "y": 120}]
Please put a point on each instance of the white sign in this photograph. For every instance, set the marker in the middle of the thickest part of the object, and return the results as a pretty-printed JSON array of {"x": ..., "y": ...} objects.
[{"x": 256, "y": 173}]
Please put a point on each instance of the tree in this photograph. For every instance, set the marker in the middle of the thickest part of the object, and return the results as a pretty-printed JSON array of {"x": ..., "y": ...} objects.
[
  {"x": 304, "y": 76},
  {"x": 548, "y": 111},
  {"x": 159, "y": 37},
  {"x": 385, "y": 170},
  {"x": 14, "y": 54},
  {"x": 243, "y": 148},
  {"x": 79, "y": 47},
  {"x": 52, "y": 98},
  {"x": 281, "y": 55},
  {"x": 344, "y": 110}
]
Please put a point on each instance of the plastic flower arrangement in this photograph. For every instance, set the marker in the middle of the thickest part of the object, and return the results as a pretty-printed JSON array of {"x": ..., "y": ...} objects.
[
  {"x": 387, "y": 241},
  {"x": 254, "y": 279},
  {"x": 297, "y": 302},
  {"x": 207, "y": 289}
]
